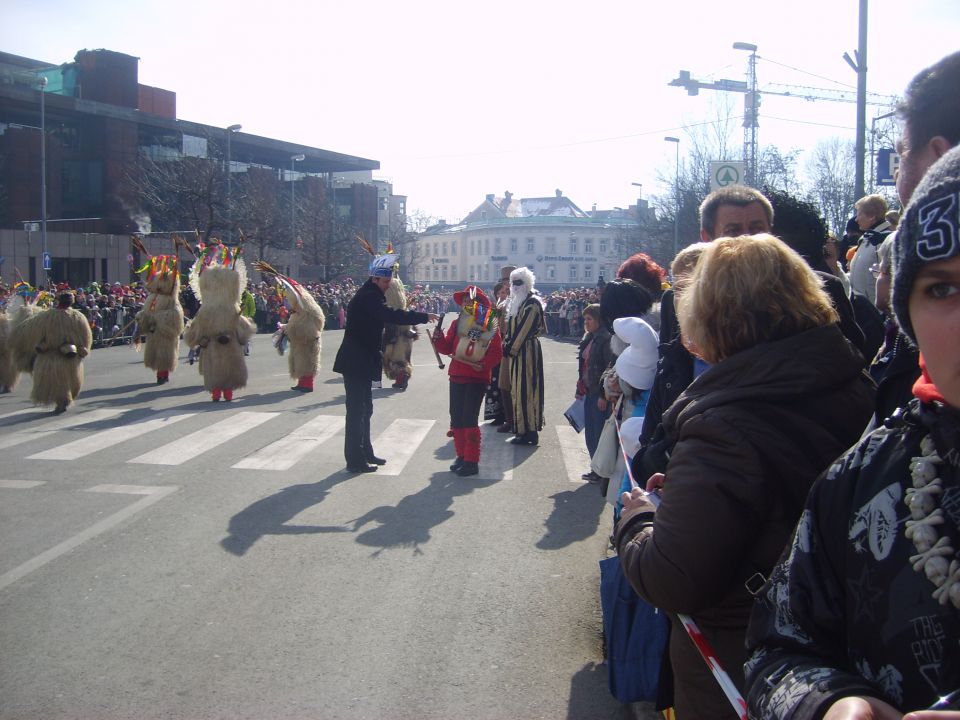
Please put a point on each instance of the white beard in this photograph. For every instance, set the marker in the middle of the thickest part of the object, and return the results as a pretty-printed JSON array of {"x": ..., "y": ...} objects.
[{"x": 518, "y": 293}]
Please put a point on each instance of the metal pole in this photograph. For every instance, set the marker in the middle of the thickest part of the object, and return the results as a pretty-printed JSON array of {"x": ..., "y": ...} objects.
[
  {"x": 861, "y": 99},
  {"x": 293, "y": 200},
  {"x": 230, "y": 130},
  {"x": 676, "y": 217},
  {"x": 43, "y": 176}
]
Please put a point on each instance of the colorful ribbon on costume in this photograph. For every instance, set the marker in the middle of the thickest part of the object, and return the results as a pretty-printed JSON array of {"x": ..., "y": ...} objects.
[
  {"x": 481, "y": 314},
  {"x": 159, "y": 265}
]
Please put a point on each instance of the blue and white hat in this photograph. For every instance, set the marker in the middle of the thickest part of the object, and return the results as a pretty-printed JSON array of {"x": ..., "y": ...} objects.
[{"x": 384, "y": 266}]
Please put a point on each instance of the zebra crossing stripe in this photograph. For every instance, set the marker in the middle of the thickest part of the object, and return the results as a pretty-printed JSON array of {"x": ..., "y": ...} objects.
[
  {"x": 398, "y": 443},
  {"x": 152, "y": 494},
  {"x": 22, "y": 436},
  {"x": 107, "y": 438},
  {"x": 20, "y": 484},
  {"x": 286, "y": 452},
  {"x": 576, "y": 459},
  {"x": 496, "y": 455},
  {"x": 194, "y": 444}
]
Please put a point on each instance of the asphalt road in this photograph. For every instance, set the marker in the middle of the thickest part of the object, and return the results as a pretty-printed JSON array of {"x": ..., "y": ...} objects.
[{"x": 165, "y": 556}]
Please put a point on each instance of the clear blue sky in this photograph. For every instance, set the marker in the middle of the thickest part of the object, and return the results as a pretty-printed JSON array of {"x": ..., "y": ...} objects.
[{"x": 460, "y": 99}]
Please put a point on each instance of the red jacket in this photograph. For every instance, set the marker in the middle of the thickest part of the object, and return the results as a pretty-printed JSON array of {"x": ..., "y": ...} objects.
[{"x": 459, "y": 371}]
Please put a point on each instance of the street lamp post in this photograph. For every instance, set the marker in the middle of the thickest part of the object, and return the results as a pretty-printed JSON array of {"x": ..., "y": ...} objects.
[
  {"x": 293, "y": 198},
  {"x": 43, "y": 174},
  {"x": 231, "y": 129},
  {"x": 750, "y": 114},
  {"x": 676, "y": 189}
]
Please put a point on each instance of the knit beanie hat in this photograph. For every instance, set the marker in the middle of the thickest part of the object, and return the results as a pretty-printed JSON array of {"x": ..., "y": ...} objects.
[
  {"x": 637, "y": 365},
  {"x": 929, "y": 231}
]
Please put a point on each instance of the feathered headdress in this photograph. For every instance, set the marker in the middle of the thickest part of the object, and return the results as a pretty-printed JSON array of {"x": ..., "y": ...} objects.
[
  {"x": 217, "y": 255},
  {"x": 382, "y": 265},
  {"x": 290, "y": 288}
]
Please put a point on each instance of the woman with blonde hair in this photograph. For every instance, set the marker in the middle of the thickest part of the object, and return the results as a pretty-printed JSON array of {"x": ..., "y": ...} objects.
[{"x": 783, "y": 396}]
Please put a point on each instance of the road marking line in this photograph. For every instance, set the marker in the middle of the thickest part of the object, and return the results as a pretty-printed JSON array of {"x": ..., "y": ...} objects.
[
  {"x": 153, "y": 495},
  {"x": 22, "y": 436},
  {"x": 496, "y": 455},
  {"x": 25, "y": 411},
  {"x": 576, "y": 459},
  {"x": 287, "y": 451},
  {"x": 20, "y": 484},
  {"x": 399, "y": 442},
  {"x": 107, "y": 438},
  {"x": 192, "y": 445}
]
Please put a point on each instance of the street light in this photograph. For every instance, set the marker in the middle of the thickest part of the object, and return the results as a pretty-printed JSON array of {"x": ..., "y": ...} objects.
[
  {"x": 676, "y": 215},
  {"x": 751, "y": 112},
  {"x": 43, "y": 174},
  {"x": 231, "y": 129},
  {"x": 293, "y": 198}
]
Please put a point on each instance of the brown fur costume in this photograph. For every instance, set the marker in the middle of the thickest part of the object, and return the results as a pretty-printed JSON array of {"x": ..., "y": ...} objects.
[
  {"x": 218, "y": 327},
  {"x": 57, "y": 340},
  {"x": 303, "y": 330},
  {"x": 8, "y": 371},
  {"x": 161, "y": 319},
  {"x": 397, "y": 339}
]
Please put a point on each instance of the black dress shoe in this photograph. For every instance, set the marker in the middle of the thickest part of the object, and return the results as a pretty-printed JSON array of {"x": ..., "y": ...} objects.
[
  {"x": 361, "y": 468},
  {"x": 456, "y": 464},
  {"x": 376, "y": 460},
  {"x": 300, "y": 388},
  {"x": 530, "y": 438}
]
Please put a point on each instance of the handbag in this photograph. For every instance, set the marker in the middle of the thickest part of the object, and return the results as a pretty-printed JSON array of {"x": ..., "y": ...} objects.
[
  {"x": 604, "y": 460},
  {"x": 636, "y": 635},
  {"x": 575, "y": 414}
]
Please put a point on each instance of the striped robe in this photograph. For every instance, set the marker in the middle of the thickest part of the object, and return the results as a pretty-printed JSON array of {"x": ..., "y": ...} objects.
[{"x": 526, "y": 365}]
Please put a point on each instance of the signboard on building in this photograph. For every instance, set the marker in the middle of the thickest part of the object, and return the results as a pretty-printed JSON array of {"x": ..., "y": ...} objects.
[
  {"x": 887, "y": 163},
  {"x": 725, "y": 172}
]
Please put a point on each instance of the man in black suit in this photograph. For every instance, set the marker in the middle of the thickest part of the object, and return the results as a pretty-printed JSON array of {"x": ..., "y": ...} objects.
[{"x": 358, "y": 359}]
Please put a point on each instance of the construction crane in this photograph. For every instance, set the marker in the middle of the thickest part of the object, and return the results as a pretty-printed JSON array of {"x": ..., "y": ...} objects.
[{"x": 752, "y": 100}]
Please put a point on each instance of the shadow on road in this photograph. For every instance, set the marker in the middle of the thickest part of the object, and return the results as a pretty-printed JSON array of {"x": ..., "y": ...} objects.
[
  {"x": 574, "y": 518},
  {"x": 409, "y": 523},
  {"x": 269, "y": 515},
  {"x": 591, "y": 700}
]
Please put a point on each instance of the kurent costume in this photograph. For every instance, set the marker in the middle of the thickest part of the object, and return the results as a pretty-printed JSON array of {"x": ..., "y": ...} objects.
[
  {"x": 217, "y": 278},
  {"x": 473, "y": 341},
  {"x": 19, "y": 306},
  {"x": 525, "y": 325},
  {"x": 52, "y": 345},
  {"x": 359, "y": 360},
  {"x": 866, "y": 598},
  {"x": 398, "y": 339},
  {"x": 161, "y": 320},
  {"x": 303, "y": 329}
]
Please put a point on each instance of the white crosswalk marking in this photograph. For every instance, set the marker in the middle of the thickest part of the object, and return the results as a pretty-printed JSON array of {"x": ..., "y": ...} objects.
[
  {"x": 286, "y": 452},
  {"x": 107, "y": 438},
  {"x": 21, "y": 436},
  {"x": 152, "y": 494},
  {"x": 496, "y": 454},
  {"x": 399, "y": 442},
  {"x": 20, "y": 484},
  {"x": 192, "y": 445},
  {"x": 576, "y": 459}
]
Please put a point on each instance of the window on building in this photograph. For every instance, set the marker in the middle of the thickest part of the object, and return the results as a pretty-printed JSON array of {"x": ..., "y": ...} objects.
[
  {"x": 530, "y": 245},
  {"x": 551, "y": 272},
  {"x": 443, "y": 272},
  {"x": 473, "y": 247},
  {"x": 436, "y": 272},
  {"x": 572, "y": 273},
  {"x": 587, "y": 272},
  {"x": 496, "y": 245},
  {"x": 453, "y": 247},
  {"x": 573, "y": 246},
  {"x": 426, "y": 249},
  {"x": 588, "y": 246},
  {"x": 453, "y": 272},
  {"x": 551, "y": 246},
  {"x": 436, "y": 248},
  {"x": 486, "y": 246},
  {"x": 444, "y": 250},
  {"x": 603, "y": 245},
  {"x": 513, "y": 245}
]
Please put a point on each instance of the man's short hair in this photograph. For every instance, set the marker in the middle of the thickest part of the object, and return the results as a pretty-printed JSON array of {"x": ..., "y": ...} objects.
[
  {"x": 874, "y": 205},
  {"x": 931, "y": 103},
  {"x": 738, "y": 195}
]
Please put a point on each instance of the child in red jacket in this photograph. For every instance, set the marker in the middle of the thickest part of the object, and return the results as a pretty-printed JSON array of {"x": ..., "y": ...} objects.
[{"x": 473, "y": 341}]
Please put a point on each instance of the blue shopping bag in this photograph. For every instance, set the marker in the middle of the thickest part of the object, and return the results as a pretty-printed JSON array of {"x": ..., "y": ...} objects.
[{"x": 636, "y": 634}]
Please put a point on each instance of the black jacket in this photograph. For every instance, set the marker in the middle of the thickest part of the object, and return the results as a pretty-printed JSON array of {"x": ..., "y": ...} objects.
[{"x": 367, "y": 312}]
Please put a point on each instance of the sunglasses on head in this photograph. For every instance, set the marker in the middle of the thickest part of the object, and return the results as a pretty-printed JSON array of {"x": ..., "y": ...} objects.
[{"x": 516, "y": 282}]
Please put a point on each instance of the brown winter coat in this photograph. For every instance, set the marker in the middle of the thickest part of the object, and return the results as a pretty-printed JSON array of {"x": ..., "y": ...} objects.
[{"x": 751, "y": 435}]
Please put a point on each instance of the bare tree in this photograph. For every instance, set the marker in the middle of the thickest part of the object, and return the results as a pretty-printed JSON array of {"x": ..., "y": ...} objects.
[
  {"x": 830, "y": 175},
  {"x": 258, "y": 212}
]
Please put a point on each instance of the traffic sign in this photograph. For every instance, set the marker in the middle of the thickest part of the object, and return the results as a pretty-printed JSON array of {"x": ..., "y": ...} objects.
[
  {"x": 725, "y": 172},
  {"x": 47, "y": 262},
  {"x": 887, "y": 163}
]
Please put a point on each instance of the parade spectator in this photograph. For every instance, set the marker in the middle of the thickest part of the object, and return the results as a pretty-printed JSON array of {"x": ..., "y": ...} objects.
[
  {"x": 784, "y": 396},
  {"x": 859, "y": 620},
  {"x": 871, "y": 217},
  {"x": 593, "y": 358}
]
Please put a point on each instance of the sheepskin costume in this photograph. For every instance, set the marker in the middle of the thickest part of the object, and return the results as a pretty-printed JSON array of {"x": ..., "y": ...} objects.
[
  {"x": 217, "y": 279},
  {"x": 57, "y": 340},
  {"x": 303, "y": 329},
  {"x": 161, "y": 320},
  {"x": 397, "y": 339}
]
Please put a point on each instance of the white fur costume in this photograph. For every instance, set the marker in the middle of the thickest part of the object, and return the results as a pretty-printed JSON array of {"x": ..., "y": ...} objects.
[
  {"x": 161, "y": 319},
  {"x": 217, "y": 279},
  {"x": 303, "y": 330}
]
